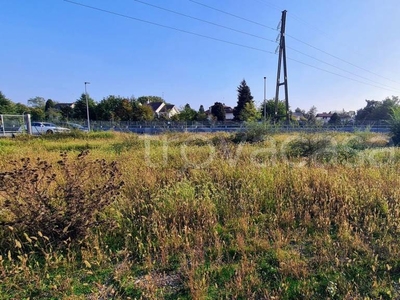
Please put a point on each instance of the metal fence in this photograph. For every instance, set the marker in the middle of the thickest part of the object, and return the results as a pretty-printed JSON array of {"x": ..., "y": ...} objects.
[
  {"x": 10, "y": 124},
  {"x": 155, "y": 127}
]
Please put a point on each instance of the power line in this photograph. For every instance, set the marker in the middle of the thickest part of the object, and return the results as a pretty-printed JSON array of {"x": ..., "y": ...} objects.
[
  {"x": 253, "y": 35},
  {"x": 212, "y": 38},
  {"x": 327, "y": 71},
  {"x": 338, "y": 58},
  {"x": 266, "y": 3},
  {"x": 232, "y": 15},
  {"x": 297, "y": 39},
  {"x": 205, "y": 21},
  {"x": 165, "y": 26},
  {"x": 332, "y": 65}
]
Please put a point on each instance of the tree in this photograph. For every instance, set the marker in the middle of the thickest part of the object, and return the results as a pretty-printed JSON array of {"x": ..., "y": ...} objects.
[
  {"x": 270, "y": 109},
  {"x": 49, "y": 104},
  {"x": 187, "y": 114},
  {"x": 66, "y": 112},
  {"x": 377, "y": 110},
  {"x": 21, "y": 109},
  {"x": 311, "y": 115},
  {"x": 335, "y": 119},
  {"x": 201, "y": 115},
  {"x": 218, "y": 111},
  {"x": 38, "y": 102},
  {"x": 6, "y": 105},
  {"x": 300, "y": 111},
  {"x": 124, "y": 110},
  {"x": 244, "y": 96},
  {"x": 37, "y": 114},
  {"x": 49, "y": 110},
  {"x": 250, "y": 113},
  {"x": 145, "y": 113},
  {"x": 395, "y": 125},
  {"x": 148, "y": 99},
  {"x": 105, "y": 110},
  {"x": 80, "y": 110}
]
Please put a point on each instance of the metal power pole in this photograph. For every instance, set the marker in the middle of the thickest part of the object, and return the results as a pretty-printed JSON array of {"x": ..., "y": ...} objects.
[{"x": 282, "y": 57}]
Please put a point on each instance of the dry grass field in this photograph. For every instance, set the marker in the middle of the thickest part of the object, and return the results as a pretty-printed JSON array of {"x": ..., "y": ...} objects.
[{"x": 180, "y": 216}]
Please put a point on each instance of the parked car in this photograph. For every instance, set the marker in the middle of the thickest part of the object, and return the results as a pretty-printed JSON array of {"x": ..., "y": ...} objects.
[
  {"x": 44, "y": 128},
  {"x": 74, "y": 126}
]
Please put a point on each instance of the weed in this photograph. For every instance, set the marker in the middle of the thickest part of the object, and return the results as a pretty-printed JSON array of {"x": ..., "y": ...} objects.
[{"x": 60, "y": 201}]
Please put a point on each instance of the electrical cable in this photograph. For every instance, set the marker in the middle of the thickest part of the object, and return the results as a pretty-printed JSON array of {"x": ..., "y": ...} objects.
[
  {"x": 232, "y": 15},
  {"x": 219, "y": 40},
  {"x": 205, "y": 21},
  {"x": 165, "y": 26},
  {"x": 341, "y": 69},
  {"x": 297, "y": 39},
  {"x": 333, "y": 73}
]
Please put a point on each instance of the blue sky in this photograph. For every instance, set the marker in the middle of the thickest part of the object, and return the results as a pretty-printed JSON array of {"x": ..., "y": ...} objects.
[{"x": 49, "y": 48}]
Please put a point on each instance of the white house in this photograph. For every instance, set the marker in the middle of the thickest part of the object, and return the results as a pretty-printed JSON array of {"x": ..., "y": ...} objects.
[{"x": 161, "y": 109}]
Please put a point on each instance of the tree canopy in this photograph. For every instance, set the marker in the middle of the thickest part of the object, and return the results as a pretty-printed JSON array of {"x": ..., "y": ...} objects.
[
  {"x": 80, "y": 109},
  {"x": 187, "y": 114},
  {"x": 244, "y": 97},
  {"x": 377, "y": 110},
  {"x": 148, "y": 99},
  {"x": 270, "y": 109},
  {"x": 218, "y": 111},
  {"x": 6, "y": 105}
]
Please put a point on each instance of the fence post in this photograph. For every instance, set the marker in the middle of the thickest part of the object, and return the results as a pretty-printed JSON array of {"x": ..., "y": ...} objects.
[
  {"x": 27, "y": 120},
  {"x": 2, "y": 125}
]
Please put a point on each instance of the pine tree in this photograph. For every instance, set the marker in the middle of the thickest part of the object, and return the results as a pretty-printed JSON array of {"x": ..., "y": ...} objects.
[
  {"x": 244, "y": 97},
  {"x": 201, "y": 115}
]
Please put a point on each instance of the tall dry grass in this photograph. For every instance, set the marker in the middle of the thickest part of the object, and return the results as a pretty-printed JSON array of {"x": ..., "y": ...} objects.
[{"x": 200, "y": 217}]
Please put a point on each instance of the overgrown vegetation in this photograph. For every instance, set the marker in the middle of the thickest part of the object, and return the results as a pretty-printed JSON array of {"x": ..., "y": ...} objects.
[
  {"x": 395, "y": 125},
  {"x": 201, "y": 217},
  {"x": 59, "y": 200}
]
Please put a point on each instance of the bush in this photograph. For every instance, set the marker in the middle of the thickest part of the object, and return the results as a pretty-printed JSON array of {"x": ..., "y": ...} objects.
[
  {"x": 61, "y": 202},
  {"x": 254, "y": 133},
  {"x": 308, "y": 146},
  {"x": 395, "y": 126}
]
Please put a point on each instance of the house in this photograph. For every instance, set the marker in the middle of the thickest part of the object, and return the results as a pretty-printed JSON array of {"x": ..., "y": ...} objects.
[
  {"x": 345, "y": 117},
  {"x": 161, "y": 109},
  {"x": 61, "y": 106},
  {"x": 169, "y": 110},
  {"x": 228, "y": 113},
  {"x": 324, "y": 117}
]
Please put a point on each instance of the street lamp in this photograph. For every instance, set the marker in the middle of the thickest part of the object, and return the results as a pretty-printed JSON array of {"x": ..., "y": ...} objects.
[
  {"x": 265, "y": 99},
  {"x": 87, "y": 106}
]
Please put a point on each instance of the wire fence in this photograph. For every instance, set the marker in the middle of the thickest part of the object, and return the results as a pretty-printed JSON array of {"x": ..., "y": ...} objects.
[
  {"x": 155, "y": 127},
  {"x": 10, "y": 124}
]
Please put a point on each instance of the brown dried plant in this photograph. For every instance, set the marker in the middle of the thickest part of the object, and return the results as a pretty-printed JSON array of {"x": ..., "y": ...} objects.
[{"x": 61, "y": 201}]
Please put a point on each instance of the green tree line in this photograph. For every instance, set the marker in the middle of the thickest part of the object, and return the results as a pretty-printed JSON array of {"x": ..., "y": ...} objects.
[{"x": 117, "y": 108}]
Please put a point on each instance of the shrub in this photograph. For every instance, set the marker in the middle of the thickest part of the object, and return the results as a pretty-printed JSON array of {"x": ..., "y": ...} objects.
[
  {"x": 308, "y": 146},
  {"x": 254, "y": 132},
  {"x": 62, "y": 202},
  {"x": 395, "y": 126}
]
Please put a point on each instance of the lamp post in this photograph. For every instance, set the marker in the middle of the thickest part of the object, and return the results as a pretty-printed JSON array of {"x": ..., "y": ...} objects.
[
  {"x": 265, "y": 99},
  {"x": 87, "y": 106}
]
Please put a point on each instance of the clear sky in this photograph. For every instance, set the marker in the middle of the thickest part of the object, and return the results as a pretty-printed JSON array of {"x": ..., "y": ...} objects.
[{"x": 49, "y": 48}]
